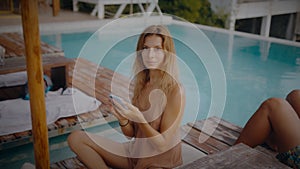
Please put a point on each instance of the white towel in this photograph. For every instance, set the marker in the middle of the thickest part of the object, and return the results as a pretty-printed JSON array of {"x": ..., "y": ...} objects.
[
  {"x": 15, "y": 114},
  {"x": 28, "y": 166},
  {"x": 13, "y": 79}
]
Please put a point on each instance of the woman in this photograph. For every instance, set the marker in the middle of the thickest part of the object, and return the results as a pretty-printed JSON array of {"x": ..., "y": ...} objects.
[
  {"x": 153, "y": 119},
  {"x": 276, "y": 122}
]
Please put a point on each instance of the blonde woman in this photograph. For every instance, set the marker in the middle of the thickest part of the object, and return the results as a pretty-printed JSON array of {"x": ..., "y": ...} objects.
[{"x": 152, "y": 120}]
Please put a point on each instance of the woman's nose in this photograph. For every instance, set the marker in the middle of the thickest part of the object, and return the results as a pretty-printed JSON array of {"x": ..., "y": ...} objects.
[{"x": 151, "y": 53}]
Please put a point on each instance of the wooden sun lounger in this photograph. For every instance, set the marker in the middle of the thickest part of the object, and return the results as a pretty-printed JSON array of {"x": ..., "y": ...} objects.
[
  {"x": 53, "y": 66},
  {"x": 218, "y": 147},
  {"x": 86, "y": 72},
  {"x": 14, "y": 46}
]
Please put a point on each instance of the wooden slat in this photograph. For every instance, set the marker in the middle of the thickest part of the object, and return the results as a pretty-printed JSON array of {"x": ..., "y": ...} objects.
[
  {"x": 220, "y": 132},
  {"x": 88, "y": 75},
  {"x": 210, "y": 146},
  {"x": 23, "y": 134},
  {"x": 86, "y": 117},
  {"x": 52, "y": 127},
  {"x": 218, "y": 145},
  {"x": 11, "y": 48},
  {"x": 62, "y": 123},
  {"x": 267, "y": 151},
  {"x": 71, "y": 120},
  {"x": 221, "y": 139},
  {"x": 71, "y": 163},
  {"x": 19, "y": 64},
  {"x": 7, "y": 138},
  {"x": 238, "y": 156},
  {"x": 14, "y": 45},
  {"x": 58, "y": 165},
  {"x": 227, "y": 124},
  {"x": 96, "y": 114}
]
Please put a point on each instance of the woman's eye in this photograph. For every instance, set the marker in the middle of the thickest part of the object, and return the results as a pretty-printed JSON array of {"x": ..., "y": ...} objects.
[{"x": 155, "y": 49}]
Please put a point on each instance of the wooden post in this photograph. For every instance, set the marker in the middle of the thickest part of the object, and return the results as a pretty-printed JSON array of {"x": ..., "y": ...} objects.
[
  {"x": 55, "y": 7},
  {"x": 35, "y": 82}
]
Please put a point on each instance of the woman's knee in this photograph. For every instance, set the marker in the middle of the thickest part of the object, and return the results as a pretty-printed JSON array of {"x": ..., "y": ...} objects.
[
  {"x": 293, "y": 96},
  {"x": 75, "y": 139},
  {"x": 272, "y": 105},
  {"x": 277, "y": 107}
]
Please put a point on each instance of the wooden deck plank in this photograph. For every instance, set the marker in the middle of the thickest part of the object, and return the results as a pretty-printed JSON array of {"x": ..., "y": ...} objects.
[
  {"x": 238, "y": 156},
  {"x": 52, "y": 126},
  {"x": 7, "y": 138},
  {"x": 71, "y": 120},
  {"x": 95, "y": 80},
  {"x": 220, "y": 132},
  {"x": 70, "y": 163},
  {"x": 73, "y": 163},
  {"x": 62, "y": 123},
  {"x": 194, "y": 142},
  {"x": 19, "y": 64},
  {"x": 23, "y": 134},
  {"x": 267, "y": 151},
  {"x": 227, "y": 124},
  {"x": 59, "y": 165},
  {"x": 14, "y": 45}
]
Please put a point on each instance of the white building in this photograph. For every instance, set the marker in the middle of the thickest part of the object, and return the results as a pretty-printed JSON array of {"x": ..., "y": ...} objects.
[{"x": 244, "y": 9}]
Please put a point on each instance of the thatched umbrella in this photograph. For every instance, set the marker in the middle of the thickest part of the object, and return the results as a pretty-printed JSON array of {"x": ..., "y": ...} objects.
[{"x": 35, "y": 82}]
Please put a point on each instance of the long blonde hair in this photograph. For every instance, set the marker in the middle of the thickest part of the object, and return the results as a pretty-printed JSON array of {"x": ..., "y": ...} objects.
[{"x": 169, "y": 69}]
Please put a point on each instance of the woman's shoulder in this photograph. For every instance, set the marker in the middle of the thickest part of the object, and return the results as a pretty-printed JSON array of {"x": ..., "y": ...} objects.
[{"x": 177, "y": 90}]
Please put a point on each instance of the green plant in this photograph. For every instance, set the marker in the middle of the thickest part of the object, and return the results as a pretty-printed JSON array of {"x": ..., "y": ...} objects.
[{"x": 196, "y": 11}]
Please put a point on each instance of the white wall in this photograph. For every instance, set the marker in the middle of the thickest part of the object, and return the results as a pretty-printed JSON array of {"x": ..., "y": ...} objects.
[
  {"x": 243, "y": 9},
  {"x": 221, "y": 6}
]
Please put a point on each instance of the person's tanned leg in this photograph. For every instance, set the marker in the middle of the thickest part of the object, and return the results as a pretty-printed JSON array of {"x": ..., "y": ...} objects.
[
  {"x": 92, "y": 155},
  {"x": 294, "y": 99},
  {"x": 274, "y": 117}
]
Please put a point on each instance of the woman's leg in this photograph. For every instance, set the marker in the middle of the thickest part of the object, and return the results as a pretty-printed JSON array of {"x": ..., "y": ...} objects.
[
  {"x": 294, "y": 99},
  {"x": 275, "y": 118},
  {"x": 93, "y": 155}
]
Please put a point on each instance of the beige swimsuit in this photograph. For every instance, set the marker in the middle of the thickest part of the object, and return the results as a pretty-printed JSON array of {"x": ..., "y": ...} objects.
[{"x": 143, "y": 154}]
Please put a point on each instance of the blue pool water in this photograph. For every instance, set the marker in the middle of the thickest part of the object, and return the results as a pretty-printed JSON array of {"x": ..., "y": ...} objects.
[{"x": 254, "y": 69}]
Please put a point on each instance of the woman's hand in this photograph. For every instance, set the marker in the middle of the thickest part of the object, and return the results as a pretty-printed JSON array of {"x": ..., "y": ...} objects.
[
  {"x": 124, "y": 122},
  {"x": 115, "y": 112},
  {"x": 131, "y": 112}
]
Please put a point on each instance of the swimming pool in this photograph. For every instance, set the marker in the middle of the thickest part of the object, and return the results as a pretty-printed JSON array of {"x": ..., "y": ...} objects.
[{"x": 255, "y": 69}]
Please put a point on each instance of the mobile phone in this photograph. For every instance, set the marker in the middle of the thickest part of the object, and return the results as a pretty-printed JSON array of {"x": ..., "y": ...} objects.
[{"x": 118, "y": 99}]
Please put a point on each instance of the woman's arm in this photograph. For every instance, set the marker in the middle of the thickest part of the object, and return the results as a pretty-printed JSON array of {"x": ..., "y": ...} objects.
[
  {"x": 127, "y": 128},
  {"x": 170, "y": 122},
  {"x": 125, "y": 124}
]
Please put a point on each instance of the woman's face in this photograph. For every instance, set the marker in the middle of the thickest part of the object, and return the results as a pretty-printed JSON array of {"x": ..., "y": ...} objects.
[{"x": 153, "y": 53}]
